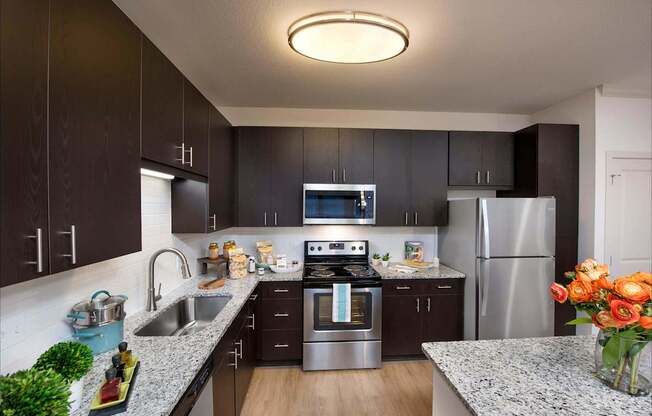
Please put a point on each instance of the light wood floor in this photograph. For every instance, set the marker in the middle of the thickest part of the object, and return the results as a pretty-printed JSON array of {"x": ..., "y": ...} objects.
[{"x": 400, "y": 388}]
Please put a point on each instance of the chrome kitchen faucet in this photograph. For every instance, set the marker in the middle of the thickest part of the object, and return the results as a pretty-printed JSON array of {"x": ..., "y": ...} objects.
[{"x": 152, "y": 297}]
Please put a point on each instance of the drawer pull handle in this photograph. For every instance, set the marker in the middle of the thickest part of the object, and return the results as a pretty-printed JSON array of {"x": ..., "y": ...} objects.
[
  {"x": 445, "y": 287},
  {"x": 281, "y": 345},
  {"x": 281, "y": 315},
  {"x": 281, "y": 291},
  {"x": 403, "y": 288}
]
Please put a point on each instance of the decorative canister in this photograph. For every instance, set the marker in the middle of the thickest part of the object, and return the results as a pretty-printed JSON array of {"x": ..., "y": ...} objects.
[
  {"x": 213, "y": 251},
  {"x": 414, "y": 250},
  {"x": 227, "y": 245}
]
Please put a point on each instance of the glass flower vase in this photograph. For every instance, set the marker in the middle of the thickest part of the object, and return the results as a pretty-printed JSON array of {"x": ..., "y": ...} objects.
[{"x": 623, "y": 362}]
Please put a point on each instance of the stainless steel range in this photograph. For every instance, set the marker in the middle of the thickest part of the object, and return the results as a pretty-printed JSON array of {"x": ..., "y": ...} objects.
[{"x": 329, "y": 345}]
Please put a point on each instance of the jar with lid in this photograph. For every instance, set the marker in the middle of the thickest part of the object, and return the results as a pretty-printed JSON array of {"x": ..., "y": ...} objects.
[{"x": 213, "y": 251}]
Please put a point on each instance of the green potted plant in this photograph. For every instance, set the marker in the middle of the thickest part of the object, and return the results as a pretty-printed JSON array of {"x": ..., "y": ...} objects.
[
  {"x": 375, "y": 259},
  {"x": 71, "y": 360},
  {"x": 34, "y": 392},
  {"x": 385, "y": 260}
]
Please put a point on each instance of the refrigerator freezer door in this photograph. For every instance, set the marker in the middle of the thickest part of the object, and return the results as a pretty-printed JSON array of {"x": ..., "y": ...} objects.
[
  {"x": 513, "y": 300},
  {"x": 516, "y": 227}
]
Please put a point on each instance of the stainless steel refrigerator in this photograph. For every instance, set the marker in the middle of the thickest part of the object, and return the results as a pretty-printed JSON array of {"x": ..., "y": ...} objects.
[{"x": 506, "y": 248}]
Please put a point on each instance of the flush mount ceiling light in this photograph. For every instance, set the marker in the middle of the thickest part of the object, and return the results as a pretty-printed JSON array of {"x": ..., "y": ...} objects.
[{"x": 348, "y": 37}]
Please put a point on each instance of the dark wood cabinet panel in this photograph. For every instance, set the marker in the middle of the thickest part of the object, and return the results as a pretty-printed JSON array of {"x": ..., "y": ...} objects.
[
  {"x": 224, "y": 387},
  {"x": 320, "y": 155},
  {"x": 221, "y": 172},
  {"x": 162, "y": 107},
  {"x": 401, "y": 325},
  {"x": 443, "y": 318},
  {"x": 356, "y": 156},
  {"x": 391, "y": 175},
  {"x": 254, "y": 180},
  {"x": 498, "y": 159},
  {"x": 465, "y": 158},
  {"x": 429, "y": 178},
  {"x": 286, "y": 209},
  {"x": 281, "y": 290},
  {"x": 189, "y": 206},
  {"x": 281, "y": 345},
  {"x": 195, "y": 129},
  {"x": 247, "y": 359},
  {"x": 280, "y": 314},
  {"x": 94, "y": 154},
  {"x": 23, "y": 138}
]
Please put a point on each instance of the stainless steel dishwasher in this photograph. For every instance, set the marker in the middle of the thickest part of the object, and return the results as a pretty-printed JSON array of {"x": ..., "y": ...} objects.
[{"x": 198, "y": 399}]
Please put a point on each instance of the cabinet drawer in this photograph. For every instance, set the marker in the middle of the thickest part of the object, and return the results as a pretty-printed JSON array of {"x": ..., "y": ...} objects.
[
  {"x": 281, "y": 345},
  {"x": 403, "y": 287},
  {"x": 281, "y": 290},
  {"x": 445, "y": 286},
  {"x": 281, "y": 314}
]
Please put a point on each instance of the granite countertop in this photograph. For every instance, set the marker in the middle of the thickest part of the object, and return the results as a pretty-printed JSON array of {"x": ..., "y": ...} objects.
[
  {"x": 270, "y": 276},
  {"x": 441, "y": 272},
  {"x": 531, "y": 376},
  {"x": 169, "y": 364}
]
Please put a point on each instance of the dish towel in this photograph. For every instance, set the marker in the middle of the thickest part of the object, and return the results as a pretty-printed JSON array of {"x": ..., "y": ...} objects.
[{"x": 341, "y": 302}]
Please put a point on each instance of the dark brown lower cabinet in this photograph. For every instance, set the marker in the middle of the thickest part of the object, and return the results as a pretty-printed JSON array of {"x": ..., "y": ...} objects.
[
  {"x": 279, "y": 320},
  {"x": 417, "y": 311}
]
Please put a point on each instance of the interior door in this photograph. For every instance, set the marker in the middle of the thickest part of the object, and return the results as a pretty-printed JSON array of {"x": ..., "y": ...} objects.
[
  {"x": 465, "y": 158},
  {"x": 356, "y": 156},
  {"x": 429, "y": 172},
  {"x": 392, "y": 176},
  {"x": 286, "y": 177},
  {"x": 94, "y": 143},
  {"x": 23, "y": 140},
  {"x": 320, "y": 155},
  {"x": 254, "y": 179},
  {"x": 628, "y": 220},
  {"x": 513, "y": 299},
  {"x": 516, "y": 227}
]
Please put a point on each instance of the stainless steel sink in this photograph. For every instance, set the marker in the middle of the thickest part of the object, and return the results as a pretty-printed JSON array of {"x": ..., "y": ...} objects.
[{"x": 187, "y": 316}]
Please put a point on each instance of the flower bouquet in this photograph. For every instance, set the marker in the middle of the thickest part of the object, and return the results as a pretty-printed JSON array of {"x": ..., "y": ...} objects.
[{"x": 622, "y": 309}]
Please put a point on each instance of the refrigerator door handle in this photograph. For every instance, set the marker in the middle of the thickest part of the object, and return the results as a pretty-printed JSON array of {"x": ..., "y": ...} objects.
[
  {"x": 484, "y": 230},
  {"x": 483, "y": 281}
]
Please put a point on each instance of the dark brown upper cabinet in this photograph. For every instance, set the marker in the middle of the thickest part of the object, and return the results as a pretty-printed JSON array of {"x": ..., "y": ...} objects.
[
  {"x": 162, "y": 108},
  {"x": 410, "y": 176},
  {"x": 481, "y": 160},
  {"x": 270, "y": 176},
  {"x": 195, "y": 129},
  {"x": 23, "y": 140},
  {"x": 94, "y": 142},
  {"x": 338, "y": 155}
]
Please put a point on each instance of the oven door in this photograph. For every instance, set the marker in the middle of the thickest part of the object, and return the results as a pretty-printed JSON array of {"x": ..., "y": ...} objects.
[
  {"x": 339, "y": 204},
  {"x": 366, "y": 312}
]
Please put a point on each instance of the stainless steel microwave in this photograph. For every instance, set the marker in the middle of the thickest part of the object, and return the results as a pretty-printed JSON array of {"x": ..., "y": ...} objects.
[{"x": 339, "y": 204}]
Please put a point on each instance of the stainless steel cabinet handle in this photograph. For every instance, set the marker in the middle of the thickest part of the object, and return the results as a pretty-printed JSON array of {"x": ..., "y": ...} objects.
[
  {"x": 280, "y": 291},
  {"x": 253, "y": 322},
  {"x": 265, "y": 218},
  {"x": 235, "y": 355},
  {"x": 281, "y": 345},
  {"x": 275, "y": 218},
  {"x": 254, "y": 297},
  {"x": 214, "y": 218},
  {"x": 39, "y": 250},
  {"x": 183, "y": 153},
  {"x": 344, "y": 175},
  {"x": 418, "y": 304},
  {"x": 477, "y": 177},
  {"x": 416, "y": 218},
  {"x": 281, "y": 315},
  {"x": 445, "y": 287},
  {"x": 406, "y": 218},
  {"x": 239, "y": 344},
  {"x": 333, "y": 176},
  {"x": 488, "y": 178},
  {"x": 428, "y": 304},
  {"x": 73, "y": 244},
  {"x": 190, "y": 163},
  {"x": 403, "y": 288}
]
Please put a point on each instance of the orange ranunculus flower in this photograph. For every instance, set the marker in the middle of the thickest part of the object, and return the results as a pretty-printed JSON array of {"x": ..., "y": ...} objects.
[
  {"x": 642, "y": 277},
  {"x": 624, "y": 311},
  {"x": 558, "y": 292},
  {"x": 631, "y": 290},
  {"x": 592, "y": 269},
  {"x": 602, "y": 283},
  {"x": 604, "y": 319},
  {"x": 580, "y": 291},
  {"x": 583, "y": 277},
  {"x": 645, "y": 322}
]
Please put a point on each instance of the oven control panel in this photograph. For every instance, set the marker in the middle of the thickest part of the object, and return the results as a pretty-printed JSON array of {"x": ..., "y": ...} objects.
[{"x": 336, "y": 248}]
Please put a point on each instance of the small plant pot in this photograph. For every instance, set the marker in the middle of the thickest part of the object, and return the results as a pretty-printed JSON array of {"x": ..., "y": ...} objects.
[
  {"x": 375, "y": 262},
  {"x": 76, "y": 392},
  {"x": 385, "y": 263}
]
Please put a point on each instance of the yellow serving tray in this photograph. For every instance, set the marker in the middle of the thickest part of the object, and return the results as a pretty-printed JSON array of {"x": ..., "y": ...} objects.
[{"x": 96, "y": 403}]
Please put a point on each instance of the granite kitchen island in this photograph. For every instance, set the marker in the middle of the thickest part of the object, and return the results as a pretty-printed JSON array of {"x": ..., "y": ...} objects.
[{"x": 532, "y": 376}]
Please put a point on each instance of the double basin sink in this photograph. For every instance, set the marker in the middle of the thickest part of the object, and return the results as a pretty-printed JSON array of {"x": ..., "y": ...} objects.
[{"x": 187, "y": 316}]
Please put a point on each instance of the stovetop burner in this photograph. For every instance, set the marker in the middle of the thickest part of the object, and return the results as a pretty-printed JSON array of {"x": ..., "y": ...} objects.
[
  {"x": 328, "y": 262},
  {"x": 355, "y": 268},
  {"x": 322, "y": 272},
  {"x": 319, "y": 267}
]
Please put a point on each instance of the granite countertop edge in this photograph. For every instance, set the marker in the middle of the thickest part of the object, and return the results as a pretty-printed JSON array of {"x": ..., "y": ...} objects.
[{"x": 441, "y": 272}]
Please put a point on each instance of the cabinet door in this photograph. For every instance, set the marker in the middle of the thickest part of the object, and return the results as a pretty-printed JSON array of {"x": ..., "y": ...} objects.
[
  {"x": 246, "y": 363},
  {"x": 254, "y": 179},
  {"x": 356, "y": 156},
  {"x": 401, "y": 325},
  {"x": 392, "y": 176},
  {"x": 465, "y": 158},
  {"x": 320, "y": 155},
  {"x": 162, "y": 108},
  {"x": 23, "y": 139},
  {"x": 189, "y": 206},
  {"x": 94, "y": 140},
  {"x": 224, "y": 384},
  {"x": 443, "y": 318},
  {"x": 286, "y": 176},
  {"x": 195, "y": 129},
  {"x": 429, "y": 173},
  {"x": 498, "y": 159},
  {"x": 221, "y": 172}
]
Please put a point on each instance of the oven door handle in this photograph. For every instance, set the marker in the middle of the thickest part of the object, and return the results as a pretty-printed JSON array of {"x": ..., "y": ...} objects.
[{"x": 354, "y": 285}]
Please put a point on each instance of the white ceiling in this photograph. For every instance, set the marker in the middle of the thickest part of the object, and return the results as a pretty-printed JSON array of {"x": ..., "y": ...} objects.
[{"x": 507, "y": 56}]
